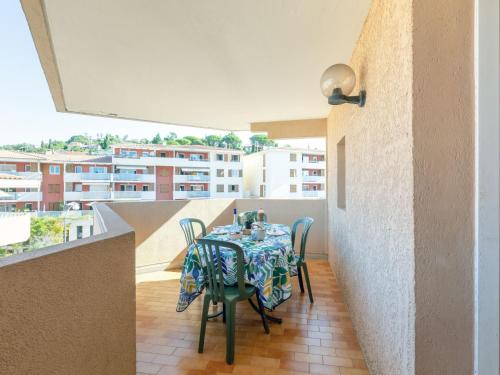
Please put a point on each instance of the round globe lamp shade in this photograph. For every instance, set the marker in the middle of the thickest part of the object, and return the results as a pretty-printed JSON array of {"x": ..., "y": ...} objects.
[{"x": 338, "y": 76}]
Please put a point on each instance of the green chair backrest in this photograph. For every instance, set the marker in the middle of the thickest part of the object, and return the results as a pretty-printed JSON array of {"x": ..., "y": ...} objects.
[
  {"x": 244, "y": 216},
  {"x": 188, "y": 229},
  {"x": 210, "y": 251},
  {"x": 306, "y": 222}
]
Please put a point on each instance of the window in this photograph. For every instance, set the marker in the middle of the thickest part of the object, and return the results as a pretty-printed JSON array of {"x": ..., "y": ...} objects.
[
  {"x": 293, "y": 173},
  {"x": 54, "y": 188},
  {"x": 341, "y": 173},
  {"x": 182, "y": 187},
  {"x": 220, "y": 172},
  {"x": 240, "y": 174},
  {"x": 233, "y": 188},
  {"x": 78, "y": 187},
  {"x": 263, "y": 175},
  {"x": 220, "y": 188},
  {"x": 148, "y": 154},
  {"x": 91, "y": 230},
  {"x": 196, "y": 157},
  {"x": 180, "y": 156},
  {"x": 54, "y": 169},
  {"x": 293, "y": 157},
  {"x": 78, "y": 169},
  {"x": 27, "y": 168},
  {"x": 128, "y": 153},
  {"x": 163, "y": 155},
  {"x": 262, "y": 191},
  {"x": 235, "y": 157},
  {"x": 263, "y": 160},
  {"x": 79, "y": 232},
  {"x": 98, "y": 170},
  {"x": 219, "y": 157},
  {"x": 163, "y": 172},
  {"x": 163, "y": 188},
  {"x": 28, "y": 206},
  {"x": 233, "y": 172},
  {"x": 293, "y": 188}
]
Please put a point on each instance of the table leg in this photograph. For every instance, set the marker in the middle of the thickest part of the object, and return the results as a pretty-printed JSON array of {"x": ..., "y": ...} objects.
[{"x": 268, "y": 317}]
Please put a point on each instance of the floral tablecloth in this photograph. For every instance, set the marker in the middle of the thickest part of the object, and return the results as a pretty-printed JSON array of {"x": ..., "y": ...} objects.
[{"x": 269, "y": 264}]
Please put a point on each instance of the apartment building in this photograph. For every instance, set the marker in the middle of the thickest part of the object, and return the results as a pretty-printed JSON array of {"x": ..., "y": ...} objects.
[
  {"x": 285, "y": 173},
  {"x": 147, "y": 172}
]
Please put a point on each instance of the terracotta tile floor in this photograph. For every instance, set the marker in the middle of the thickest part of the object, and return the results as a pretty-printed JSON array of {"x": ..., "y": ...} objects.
[{"x": 316, "y": 338}]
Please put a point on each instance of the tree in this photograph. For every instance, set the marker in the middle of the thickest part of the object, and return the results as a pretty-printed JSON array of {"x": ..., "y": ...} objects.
[
  {"x": 183, "y": 141},
  {"x": 156, "y": 139},
  {"x": 259, "y": 141},
  {"x": 231, "y": 140},
  {"x": 45, "y": 231},
  {"x": 213, "y": 140},
  {"x": 79, "y": 138},
  {"x": 171, "y": 138},
  {"x": 194, "y": 140}
]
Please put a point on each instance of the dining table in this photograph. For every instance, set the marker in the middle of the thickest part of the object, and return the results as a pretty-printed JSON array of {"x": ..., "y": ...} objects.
[{"x": 268, "y": 265}]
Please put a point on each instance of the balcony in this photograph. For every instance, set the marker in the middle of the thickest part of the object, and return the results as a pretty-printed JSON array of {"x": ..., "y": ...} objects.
[
  {"x": 187, "y": 194},
  {"x": 87, "y": 195},
  {"x": 179, "y": 178},
  {"x": 134, "y": 177},
  {"x": 313, "y": 193},
  {"x": 134, "y": 195},
  {"x": 306, "y": 164},
  {"x": 147, "y": 161},
  {"x": 28, "y": 196},
  {"x": 25, "y": 175},
  {"x": 80, "y": 177},
  {"x": 313, "y": 178},
  {"x": 121, "y": 309}
]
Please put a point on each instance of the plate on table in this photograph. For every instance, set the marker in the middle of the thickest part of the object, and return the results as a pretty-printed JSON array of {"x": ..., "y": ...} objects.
[{"x": 275, "y": 232}]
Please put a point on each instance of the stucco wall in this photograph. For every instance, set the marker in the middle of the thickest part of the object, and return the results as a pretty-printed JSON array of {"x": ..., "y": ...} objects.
[
  {"x": 443, "y": 130},
  {"x": 70, "y": 309},
  {"x": 403, "y": 248},
  {"x": 371, "y": 241}
]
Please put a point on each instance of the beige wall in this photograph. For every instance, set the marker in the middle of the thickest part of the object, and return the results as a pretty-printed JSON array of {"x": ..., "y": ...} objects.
[
  {"x": 443, "y": 131},
  {"x": 70, "y": 309},
  {"x": 159, "y": 238},
  {"x": 371, "y": 241},
  {"x": 402, "y": 248}
]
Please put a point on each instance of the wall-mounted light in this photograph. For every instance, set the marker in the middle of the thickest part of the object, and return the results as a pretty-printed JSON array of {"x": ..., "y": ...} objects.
[{"x": 337, "y": 83}]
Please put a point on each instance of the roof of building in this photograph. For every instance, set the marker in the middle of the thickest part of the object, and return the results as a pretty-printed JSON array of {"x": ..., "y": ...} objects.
[
  {"x": 60, "y": 156},
  {"x": 175, "y": 147},
  {"x": 10, "y": 154},
  {"x": 292, "y": 149}
]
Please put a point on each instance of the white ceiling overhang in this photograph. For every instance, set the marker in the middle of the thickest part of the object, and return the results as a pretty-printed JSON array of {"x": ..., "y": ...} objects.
[{"x": 219, "y": 64}]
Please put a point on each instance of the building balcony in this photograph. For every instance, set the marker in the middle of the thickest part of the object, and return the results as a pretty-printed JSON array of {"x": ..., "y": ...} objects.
[
  {"x": 81, "y": 177},
  {"x": 148, "y": 161},
  {"x": 312, "y": 178},
  {"x": 306, "y": 164},
  {"x": 25, "y": 175},
  {"x": 120, "y": 271},
  {"x": 28, "y": 196},
  {"x": 134, "y": 177},
  {"x": 87, "y": 195},
  {"x": 133, "y": 195},
  {"x": 179, "y": 178},
  {"x": 187, "y": 194},
  {"x": 313, "y": 193}
]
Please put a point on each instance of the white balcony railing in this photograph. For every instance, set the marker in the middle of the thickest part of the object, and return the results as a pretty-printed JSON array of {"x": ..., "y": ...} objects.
[
  {"x": 28, "y": 196},
  {"x": 133, "y": 195},
  {"x": 86, "y": 195},
  {"x": 313, "y": 178},
  {"x": 25, "y": 175},
  {"x": 313, "y": 193},
  {"x": 87, "y": 176},
  {"x": 144, "y": 177},
  {"x": 198, "y": 194}
]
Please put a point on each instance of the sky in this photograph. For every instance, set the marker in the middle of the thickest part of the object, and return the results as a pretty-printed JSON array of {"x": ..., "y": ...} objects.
[{"x": 27, "y": 113}]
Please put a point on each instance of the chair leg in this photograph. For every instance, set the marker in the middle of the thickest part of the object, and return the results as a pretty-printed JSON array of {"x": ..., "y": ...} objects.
[
  {"x": 230, "y": 339},
  {"x": 204, "y": 318},
  {"x": 262, "y": 314},
  {"x": 301, "y": 283},
  {"x": 309, "y": 290}
]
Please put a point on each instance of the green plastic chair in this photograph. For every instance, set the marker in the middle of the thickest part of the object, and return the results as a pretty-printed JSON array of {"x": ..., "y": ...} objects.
[
  {"x": 306, "y": 223},
  {"x": 188, "y": 229},
  {"x": 216, "y": 291},
  {"x": 243, "y": 217}
]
